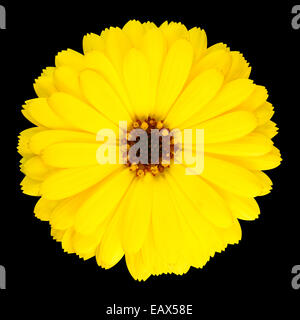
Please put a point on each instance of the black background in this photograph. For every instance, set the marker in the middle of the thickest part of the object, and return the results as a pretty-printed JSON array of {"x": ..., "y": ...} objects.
[{"x": 257, "y": 272}]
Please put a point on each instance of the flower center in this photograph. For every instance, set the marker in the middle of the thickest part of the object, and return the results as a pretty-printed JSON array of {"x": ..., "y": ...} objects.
[{"x": 150, "y": 147}]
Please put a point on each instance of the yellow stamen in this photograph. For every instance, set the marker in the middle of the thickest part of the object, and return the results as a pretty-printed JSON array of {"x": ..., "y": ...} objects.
[
  {"x": 147, "y": 125},
  {"x": 133, "y": 167},
  {"x": 152, "y": 122},
  {"x": 140, "y": 173},
  {"x": 159, "y": 125},
  {"x": 144, "y": 125},
  {"x": 154, "y": 170},
  {"x": 136, "y": 124}
]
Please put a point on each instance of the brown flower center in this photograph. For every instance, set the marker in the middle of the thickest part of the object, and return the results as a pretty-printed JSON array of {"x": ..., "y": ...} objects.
[{"x": 155, "y": 152}]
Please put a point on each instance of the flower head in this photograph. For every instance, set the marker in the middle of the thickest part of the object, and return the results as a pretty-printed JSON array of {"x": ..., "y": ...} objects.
[{"x": 155, "y": 78}]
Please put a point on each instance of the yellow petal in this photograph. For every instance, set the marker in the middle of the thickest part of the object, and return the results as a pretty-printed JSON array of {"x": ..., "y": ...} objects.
[
  {"x": 66, "y": 241},
  {"x": 195, "y": 253},
  {"x": 31, "y": 187},
  {"x": 134, "y": 30},
  {"x": 79, "y": 114},
  {"x": 217, "y": 59},
  {"x": 110, "y": 251},
  {"x": 166, "y": 229},
  {"x": 71, "y": 59},
  {"x": 136, "y": 218},
  {"x": 101, "y": 95},
  {"x": 228, "y": 127},
  {"x": 230, "y": 96},
  {"x": 36, "y": 169},
  {"x": 25, "y": 138},
  {"x": 117, "y": 45},
  {"x": 197, "y": 94},
  {"x": 256, "y": 99},
  {"x": 198, "y": 40},
  {"x": 29, "y": 118},
  {"x": 86, "y": 245},
  {"x": 68, "y": 182},
  {"x": 252, "y": 145},
  {"x": 210, "y": 205},
  {"x": 63, "y": 215},
  {"x": 216, "y": 47},
  {"x": 267, "y": 161},
  {"x": 174, "y": 31},
  {"x": 95, "y": 209},
  {"x": 137, "y": 80},
  {"x": 265, "y": 182},
  {"x": 136, "y": 266},
  {"x": 174, "y": 74},
  {"x": 239, "y": 67},
  {"x": 149, "y": 25},
  {"x": 232, "y": 235},
  {"x": 44, "y": 208},
  {"x": 241, "y": 207},
  {"x": 66, "y": 79},
  {"x": 23, "y": 161},
  {"x": 44, "y": 85},
  {"x": 92, "y": 42},
  {"x": 269, "y": 129},
  {"x": 57, "y": 234},
  {"x": 231, "y": 177},
  {"x": 154, "y": 47},
  {"x": 97, "y": 61},
  {"x": 264, "y": 113},
  {"x": 46, "y": 138},
  {"x": 70, "y": 154},
  {"x": 153, "y": 261},
  {"x": 40, "y": 110}
]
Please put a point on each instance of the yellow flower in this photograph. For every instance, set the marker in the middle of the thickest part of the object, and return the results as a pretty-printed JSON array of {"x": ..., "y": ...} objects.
[{"x": 160, "y": 218}]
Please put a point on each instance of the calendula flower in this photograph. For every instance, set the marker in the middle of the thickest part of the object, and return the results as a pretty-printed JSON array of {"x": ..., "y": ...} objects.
[{"x": 161, "y": 218}]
